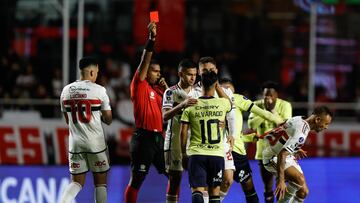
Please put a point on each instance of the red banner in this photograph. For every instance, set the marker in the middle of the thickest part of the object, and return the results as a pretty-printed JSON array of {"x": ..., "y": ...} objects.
[{"x": 45, "y": 141}]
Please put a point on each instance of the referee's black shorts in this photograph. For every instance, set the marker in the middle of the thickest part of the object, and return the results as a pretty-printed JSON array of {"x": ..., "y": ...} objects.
[{"x": 146, "y": 148}]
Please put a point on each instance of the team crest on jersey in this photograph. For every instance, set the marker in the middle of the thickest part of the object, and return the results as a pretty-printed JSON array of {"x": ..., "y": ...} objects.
[
  {"x": 152, "y": 95},
  {"x": 72, "y": 89},
  {"x": 301, "y": 139},
  {"x": 169, "y": 93}
]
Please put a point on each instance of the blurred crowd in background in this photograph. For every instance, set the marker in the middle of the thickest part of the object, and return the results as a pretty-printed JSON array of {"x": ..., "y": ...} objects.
[{"x": 252, "y": 41}]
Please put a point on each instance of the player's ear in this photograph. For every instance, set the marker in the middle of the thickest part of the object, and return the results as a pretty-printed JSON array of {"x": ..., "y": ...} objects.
[
  {"x": 91, "y": 73},
  {"x": 317, "y": 119}
]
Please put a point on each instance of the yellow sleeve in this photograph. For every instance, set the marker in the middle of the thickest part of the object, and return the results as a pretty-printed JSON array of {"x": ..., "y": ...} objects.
[
  {"x": 185, "y": 115},
  {"x": 267, "y": 115},
  {"x": 287, "y": 111}
]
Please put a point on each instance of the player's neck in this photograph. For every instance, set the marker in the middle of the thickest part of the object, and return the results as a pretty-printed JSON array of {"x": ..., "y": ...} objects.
[
  {"x": 209, "y": 92},
  {"x": 85, "y": 78},
  {"x": 185, "y": 87},
  {"x": 311, "y": 121}
]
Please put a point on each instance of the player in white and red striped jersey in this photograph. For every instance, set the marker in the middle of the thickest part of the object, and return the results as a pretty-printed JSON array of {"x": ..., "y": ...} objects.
[
  {"x": 280, "y": 157},
  {"x": 85, "y": 105}
]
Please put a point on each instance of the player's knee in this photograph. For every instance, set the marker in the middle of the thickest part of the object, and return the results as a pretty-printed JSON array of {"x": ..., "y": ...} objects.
[
  {"x": 226, "y": 183},
  {"x": 303, "y": 192},
  {"x": 248, "y": 185},
  {"x": 137, "y": 179}
]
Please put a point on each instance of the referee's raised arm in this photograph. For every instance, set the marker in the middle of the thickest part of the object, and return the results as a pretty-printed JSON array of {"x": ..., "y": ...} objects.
[{"x": 147, "y": 53}]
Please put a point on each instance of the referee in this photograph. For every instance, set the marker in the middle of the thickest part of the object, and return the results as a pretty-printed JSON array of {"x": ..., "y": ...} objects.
[{"x": 147, "y": 142}]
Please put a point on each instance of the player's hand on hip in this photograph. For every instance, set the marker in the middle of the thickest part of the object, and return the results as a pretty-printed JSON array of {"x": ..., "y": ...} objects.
[
  {"x": 301, "y": 154},
  {"x": 189, "y": 102},
  {"x": 280, "y": 189},
  {"x": 152, "y": 30}
]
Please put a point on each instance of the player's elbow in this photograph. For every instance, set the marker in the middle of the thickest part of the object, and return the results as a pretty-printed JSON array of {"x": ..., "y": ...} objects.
[{"x": 166, "y": 117}]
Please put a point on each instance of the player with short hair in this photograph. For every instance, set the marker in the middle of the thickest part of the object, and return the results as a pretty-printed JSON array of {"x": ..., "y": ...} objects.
[
  {"x": 285, "y": 143},
  {"x": 207, "y": 64},
  {"x": 147, "y": 142},
  {"x": 85, "y": 105},
  {"x": 243, "y": 172},
  {"x": 175, "y": 99},
  {"x": 206, "y": 146},
  {"x": 272, "y": 103}
]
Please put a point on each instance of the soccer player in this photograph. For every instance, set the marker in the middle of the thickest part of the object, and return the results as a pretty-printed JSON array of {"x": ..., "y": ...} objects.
[
  {"x": 175, "y": 99},
  {"x": 285, "y": 142},
  {"x": 147, "y": 142},
  {"x": 272, "y": 103},
  {"x": 243, "y": 173},
  {"x": 85, "y": 105},
  {"x": 206, "y": 148},
  {"x": 207, "y": 64}
]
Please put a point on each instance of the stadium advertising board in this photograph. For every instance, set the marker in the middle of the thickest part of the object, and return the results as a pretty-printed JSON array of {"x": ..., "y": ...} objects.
[{"x": 34, "y": 140}]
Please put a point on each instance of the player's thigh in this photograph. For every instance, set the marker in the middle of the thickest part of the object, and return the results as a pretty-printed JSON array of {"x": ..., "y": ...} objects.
[
  {"x": 294, "y": 175},
  {"x": 142, "y": 151},
  {"x": 243, "y": 170},
  {"x": 98, "y": 162},
  {"x": 173, "y": 160},
  {"x": 215, "y": 170},
  {"x": 290, "y": 161},
  {"x": 78, "y": 163},
  {"x": 197, "y": 170},
  {"x": 228, "y": 158},
  {"x": 159, "y": 159}
]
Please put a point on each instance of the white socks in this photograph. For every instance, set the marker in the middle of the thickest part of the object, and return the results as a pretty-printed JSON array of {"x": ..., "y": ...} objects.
[
  {"x": 100, "y": 194},
  {"x": 206, "y": 196},
  {"x": 70, "y": 192}
]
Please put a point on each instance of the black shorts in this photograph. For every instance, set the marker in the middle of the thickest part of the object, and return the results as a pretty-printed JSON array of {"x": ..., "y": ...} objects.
[
  {"x": 205, "y": 171},
  {"x": 242, "y": 168},
  {"x": 146, "y": 148}
]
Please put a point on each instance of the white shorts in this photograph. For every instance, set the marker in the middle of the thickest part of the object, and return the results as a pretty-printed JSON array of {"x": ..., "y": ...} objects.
[
  {"x": 229, "y": 161},
  {"x": 270, "y": 164},
  {"x": 173, "y": 160},
  {"x": 83, "y": 162}
]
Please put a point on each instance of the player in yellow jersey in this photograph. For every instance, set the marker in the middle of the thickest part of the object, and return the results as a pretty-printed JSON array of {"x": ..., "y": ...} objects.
[
  {"x": 243, "y": 171},
  {"x": 272, "y": 103},
  {"x": 206, "y": 147}
]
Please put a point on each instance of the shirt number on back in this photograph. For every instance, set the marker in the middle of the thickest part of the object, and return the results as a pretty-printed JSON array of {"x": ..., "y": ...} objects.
[
  {"x": 209, "y": 133},
  {"x": 80, "y": 110}
]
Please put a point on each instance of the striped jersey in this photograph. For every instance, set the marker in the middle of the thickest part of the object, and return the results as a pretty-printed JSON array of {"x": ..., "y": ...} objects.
[
  {"x": 171, "y": 98},
  {"x": 83, "y": 101},
  {"x": 291, "y": 136}
]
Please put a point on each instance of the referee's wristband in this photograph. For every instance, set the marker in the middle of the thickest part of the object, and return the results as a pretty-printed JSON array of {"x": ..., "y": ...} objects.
[{"x": 150, "y": 45}]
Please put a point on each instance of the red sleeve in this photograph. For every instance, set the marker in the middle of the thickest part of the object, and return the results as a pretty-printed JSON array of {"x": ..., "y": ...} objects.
[{"x": 135, "y": 83}]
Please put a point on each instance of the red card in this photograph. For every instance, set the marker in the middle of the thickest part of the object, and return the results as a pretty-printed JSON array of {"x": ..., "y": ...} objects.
[{"x": 154, "y": 16}]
